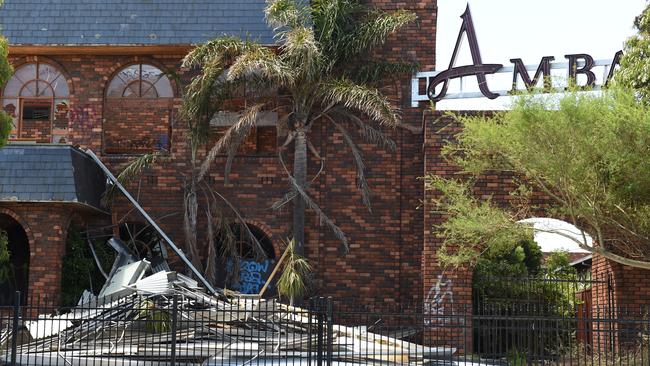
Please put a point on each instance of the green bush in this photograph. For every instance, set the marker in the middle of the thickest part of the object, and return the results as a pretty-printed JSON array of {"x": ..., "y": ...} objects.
[
  {"x": 6, "y": 273},
  {"x": 79, "y": 269},
  {"x": 500, "y": 265},
  {"x": 512, "y": 284}
]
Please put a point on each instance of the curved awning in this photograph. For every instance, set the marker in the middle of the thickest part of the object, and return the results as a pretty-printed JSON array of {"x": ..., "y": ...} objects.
[{"x": 49, "y": 173}]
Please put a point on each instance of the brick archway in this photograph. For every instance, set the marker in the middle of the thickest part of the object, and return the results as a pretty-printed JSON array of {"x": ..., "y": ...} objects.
[
  {"x": 23, "y": 224},
  {"x": 269, "y": 234},
  {"x": 20, "y": 247}
]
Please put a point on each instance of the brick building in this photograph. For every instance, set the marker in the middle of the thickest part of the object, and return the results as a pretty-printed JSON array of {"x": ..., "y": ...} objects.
[
  {"x": 95, "y": 75},
  {"x": 98, "y": 75}
]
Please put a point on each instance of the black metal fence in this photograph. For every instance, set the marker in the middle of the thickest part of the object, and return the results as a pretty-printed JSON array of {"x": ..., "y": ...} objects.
[{"x": 197, "y": 330}]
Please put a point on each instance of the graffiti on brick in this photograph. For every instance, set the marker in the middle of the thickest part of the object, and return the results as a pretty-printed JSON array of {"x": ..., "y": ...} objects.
[
  {"x": 85, "y": 116},
  {"x": 140, "y": 144},
  {"x": 252, "y": 275},
  {"x": 439, "y": 303}
]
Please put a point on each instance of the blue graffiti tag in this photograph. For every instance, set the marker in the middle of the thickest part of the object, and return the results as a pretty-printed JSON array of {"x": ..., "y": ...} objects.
[{"x": 252, "y": 276}]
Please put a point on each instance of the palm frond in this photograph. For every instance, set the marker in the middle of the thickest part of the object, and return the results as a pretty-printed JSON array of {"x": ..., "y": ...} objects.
[
  {"x": 258, "y": 251},
  {"x": 361, "y": 98},
  {"x": 229, "y": 251},
  {"x": 367, "y": 132},
  {"x": 198, "y": 107},
  {"x": 261, "y": 62},
  {"x": 135, "y": 168},
  {"x": 301, "y": 50},
  {"x": 374, "y": 31},
  {"x": 362, "y": 183},
  {"x": 288, "y": 197},
  {"x": 205, "y": 94},
  {"x": 209, "y": 94},
  {"x": 190, "y": 220},
  {"x": 208, "y": 90},
  {"x": 333, "y": 18},
  {"x": 221, "y": 50},
  {"x": 291, "y": 283},
  {"x": 286, "y": 13},
  {"x": 374, "y": 72},
  {"x": 322, "y": 217},
  {"x": 237, "y": 132},
  {"x": 130, "y": 173},
  {"x": 211, "y": 259},
  {"x": 232, "y": 151}
]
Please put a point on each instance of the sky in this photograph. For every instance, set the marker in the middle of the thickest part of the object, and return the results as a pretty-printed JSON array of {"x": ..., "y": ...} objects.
[{"x": 531, "y": 29}]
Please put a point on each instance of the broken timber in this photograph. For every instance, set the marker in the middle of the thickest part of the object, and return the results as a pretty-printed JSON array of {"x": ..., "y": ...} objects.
[
  {"x": 153, "y": 224},
  {"x": 164, "y": 316}
]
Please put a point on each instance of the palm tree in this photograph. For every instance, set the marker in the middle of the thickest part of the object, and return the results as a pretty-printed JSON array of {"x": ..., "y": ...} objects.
[{"x": 322, "y": 71}]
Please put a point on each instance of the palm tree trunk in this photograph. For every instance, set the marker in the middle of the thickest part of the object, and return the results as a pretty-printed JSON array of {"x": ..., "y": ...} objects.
[
  {"x": 190, "y": 217},
  {"x": 300, "y": 175}
]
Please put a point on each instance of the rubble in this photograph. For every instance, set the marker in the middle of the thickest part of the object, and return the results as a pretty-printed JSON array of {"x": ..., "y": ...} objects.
[
  {"x": 149, "y": 315},
  {"x": 133, "y": 322}
]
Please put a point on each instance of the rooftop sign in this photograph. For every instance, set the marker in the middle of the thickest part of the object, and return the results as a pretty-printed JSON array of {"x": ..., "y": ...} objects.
[{"x": 580, "y": 69}]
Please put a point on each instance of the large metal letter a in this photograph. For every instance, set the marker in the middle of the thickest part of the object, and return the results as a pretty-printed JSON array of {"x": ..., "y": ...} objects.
[{"x": 478, "y": 68}]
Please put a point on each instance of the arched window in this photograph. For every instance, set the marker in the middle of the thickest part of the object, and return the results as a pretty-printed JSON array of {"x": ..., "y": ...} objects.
[
  {"x": 140, "y": 81},
  {"x": 149, "y": 122},
  {"x": 36, "y": 97},
  {"x": 252, "y": 271}
]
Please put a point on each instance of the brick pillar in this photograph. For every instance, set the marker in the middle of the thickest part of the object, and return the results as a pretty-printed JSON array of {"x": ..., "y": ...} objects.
[
  {"x": 455, "y": 307},
  {"x": 49, "y": 226},
  {"x": 620, "y": 293}
]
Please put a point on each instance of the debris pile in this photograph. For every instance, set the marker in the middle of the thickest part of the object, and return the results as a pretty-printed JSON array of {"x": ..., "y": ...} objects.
[
  {"x": 167, "y": 318},
  {"x": 145, "y": 320}
]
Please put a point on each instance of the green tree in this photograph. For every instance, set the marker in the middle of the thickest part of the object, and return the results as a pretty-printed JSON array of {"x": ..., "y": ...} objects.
[
  {"x": 313, "y": 77},
  {"x": 522, "y": 260},
  {"x": 5, "y": 73},
  {"x": 634, "y": 72},
  {"x": 558, "y": 265},
  {"x": 587, "y": 152}
]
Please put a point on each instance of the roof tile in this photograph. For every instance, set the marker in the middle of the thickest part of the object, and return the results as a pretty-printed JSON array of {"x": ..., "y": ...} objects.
[{"x": 131, "y": 22}]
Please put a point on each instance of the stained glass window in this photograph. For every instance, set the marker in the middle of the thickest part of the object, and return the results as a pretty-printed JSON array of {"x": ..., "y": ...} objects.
[
  {"x": 33, "y": 84},
  {"x": 140, "y": 81}
]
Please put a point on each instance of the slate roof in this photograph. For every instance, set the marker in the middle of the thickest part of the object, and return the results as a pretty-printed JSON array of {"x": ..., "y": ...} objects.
[
  {"x": 50, "y": 173},
  {"x": 131, "y": 22}
]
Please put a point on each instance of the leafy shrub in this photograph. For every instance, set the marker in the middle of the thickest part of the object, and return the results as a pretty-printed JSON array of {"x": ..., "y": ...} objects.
[
  {"x": 511, "y": 287},
  {"x": 79, "y": 269}
]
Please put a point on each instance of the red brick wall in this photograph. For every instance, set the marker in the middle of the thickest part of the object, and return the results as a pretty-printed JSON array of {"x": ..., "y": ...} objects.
[
  {"x": 384, "y": 262},
  {"x": 148, "y": 122},
  {"x": 46, "y": 226},
  {"x": 455, "y": 284},
  {"x": 37, "y": 130}
]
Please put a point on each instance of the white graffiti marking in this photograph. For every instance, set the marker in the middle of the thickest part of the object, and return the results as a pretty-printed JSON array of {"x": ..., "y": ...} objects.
[{"x": 439, "y": 304}]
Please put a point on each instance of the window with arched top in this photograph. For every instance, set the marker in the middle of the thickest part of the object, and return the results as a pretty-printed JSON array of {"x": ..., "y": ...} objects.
[
  {"x": 247, "y": 271},
  {"x": 36, "y": 97},
  {"x": 148, "y": 122},
  {"x": 140, "y": 81}
]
